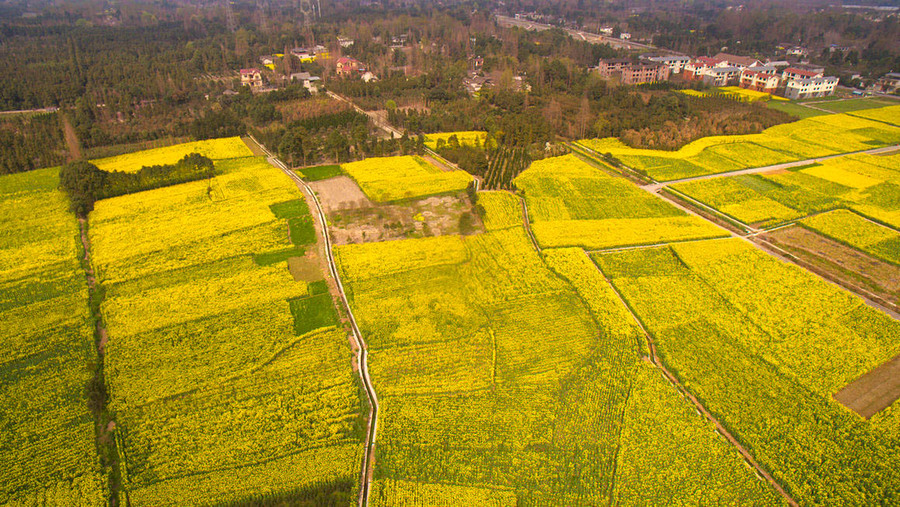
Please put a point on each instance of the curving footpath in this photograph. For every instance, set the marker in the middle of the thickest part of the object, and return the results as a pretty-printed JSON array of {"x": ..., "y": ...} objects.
[{"x": 362, "y": 349}]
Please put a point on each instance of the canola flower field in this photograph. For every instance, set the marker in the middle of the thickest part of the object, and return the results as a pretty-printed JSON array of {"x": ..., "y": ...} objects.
[
  {"x": 765, "y": 345},
  {"x": 216, "y": 149},
  {"x": 506, "y": 376},
  {"x": 229, "y": 380},
  {"x": 387, "y": 179},
  {"x": 868, "y": 185},
  {"x": 573, "y": 204},
  {"x": 853, "y": 230},
  {"x": 465, "y": 138},
  {"x": 502, "y": 383},
  {"x": 47, "y": 343},
  {"x": 804, "y": 139}
]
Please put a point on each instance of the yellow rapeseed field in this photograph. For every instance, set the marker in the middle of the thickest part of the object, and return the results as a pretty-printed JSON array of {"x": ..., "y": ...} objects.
[
  {"x": 227, "y": 147},
  {"x": 466, "y": 138},
  {"x": 218, "y": 394},
  {"x": 386, "y": 179}
]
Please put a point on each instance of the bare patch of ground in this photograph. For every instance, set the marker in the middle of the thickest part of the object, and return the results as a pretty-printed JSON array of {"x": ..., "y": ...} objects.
[
  {"x": 340, "y": 193},
  {"x": 71, "y": 138},
  {"x": 874, "y": 391},
  {"x": 432, "y": 216},
  {"x": 844, "y": 265},
  {"x": 306, "y": 268}
]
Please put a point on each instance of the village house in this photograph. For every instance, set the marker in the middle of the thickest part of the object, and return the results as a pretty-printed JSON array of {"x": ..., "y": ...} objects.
[
  {"x": 804, "y": 88},
  {"x": 675, "y": 63},
  {"x": 345, "y": 42},
  {"x": 792, "y": 73},
  {"x": 633, "y": 73},
  {"x": 348, "y": 67},
  {"x": 307, "y": 80},
  {"x": 761, "y": 79},
  {"x": 696, "y": 67},
  {"x": 251, "y": 77},
  {"x": 741, "y": 62},
  {"x": 608, "y": 67},
  {"x": 721, "y": 76},
  {"x": 889, "y": 83}
]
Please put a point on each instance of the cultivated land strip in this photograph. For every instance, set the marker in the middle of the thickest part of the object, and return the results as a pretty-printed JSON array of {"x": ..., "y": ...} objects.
[
  {"x": 651, "y": 345},
  {"x": 775, "y": 167},
  {"x": 362, "y": 348}
]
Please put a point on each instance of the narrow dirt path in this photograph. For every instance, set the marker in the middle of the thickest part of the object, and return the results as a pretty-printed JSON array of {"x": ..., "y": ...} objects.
[
  {"x": 651, "y": 345},
  {"x": 362, "y": 351},
  {"x": 527, "y": 222},
  {"x": 71, "y": 138}
]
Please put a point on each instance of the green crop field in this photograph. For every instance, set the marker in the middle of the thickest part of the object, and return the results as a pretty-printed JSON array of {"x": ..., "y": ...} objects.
[
  {"x": 852, "y": 105},
  {"x": 229, "y": 380},
  {"x": 46, "y": 337},
  {"x": 574, "y": 204},
  {"x": 765, "y": 345}
]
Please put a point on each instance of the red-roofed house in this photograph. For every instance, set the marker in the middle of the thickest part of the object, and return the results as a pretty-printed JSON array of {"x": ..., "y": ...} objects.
[
  {"x": 251, "y": 77},
  {"x": 760, "y": 80},
  {"x": 348, "y": 66},
  {"x": 792, "y": 73}
]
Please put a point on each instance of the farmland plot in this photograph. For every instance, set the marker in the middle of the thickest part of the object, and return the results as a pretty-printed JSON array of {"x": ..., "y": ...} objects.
[
  {"x": 47, "y": 350},
  {"x": 229, "y": 379},
  {"x": 573, "y": 204},
  {"x": 866, "y": 184},
  {"x": 386, "y": 179},
  {"x": 765, "y": 345},
  {"x": 216, "y": 149},
  {"x": 805, "y": 139},
  {"x": 498, "y": 383}
]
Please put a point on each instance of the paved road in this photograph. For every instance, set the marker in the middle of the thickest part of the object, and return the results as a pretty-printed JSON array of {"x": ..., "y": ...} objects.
[
  {"x": 593, "y": 38},
  {"x": 362, "y": 348},
  {"x": 787, "y": 165}
]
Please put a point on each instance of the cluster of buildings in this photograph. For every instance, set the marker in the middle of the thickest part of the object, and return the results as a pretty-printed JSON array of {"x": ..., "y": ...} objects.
[
  {"x": 350, "y": 67},
  {"x": 795, "y": 81}
]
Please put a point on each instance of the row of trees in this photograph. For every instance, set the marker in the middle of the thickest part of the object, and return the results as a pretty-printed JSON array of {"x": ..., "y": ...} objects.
[{"x": 86, "y": 184}]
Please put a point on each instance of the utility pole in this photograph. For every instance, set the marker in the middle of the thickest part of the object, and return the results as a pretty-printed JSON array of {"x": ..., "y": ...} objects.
[{"x": 229, "y": 16}]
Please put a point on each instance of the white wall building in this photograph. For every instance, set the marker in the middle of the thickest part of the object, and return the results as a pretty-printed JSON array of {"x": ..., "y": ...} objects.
[
  {"x": 804, "y": 88},
  {"x": 675, "y": 63}
]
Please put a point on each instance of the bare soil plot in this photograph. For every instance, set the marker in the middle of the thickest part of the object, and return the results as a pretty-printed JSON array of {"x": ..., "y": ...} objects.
[
  {"x": 432, "y": 216},
  {"x": 841, "y": 262},
  {"x": 306, "y": 268},
  {"x": 340, "y": 193},
  {"x": 874, "y": 391}
]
